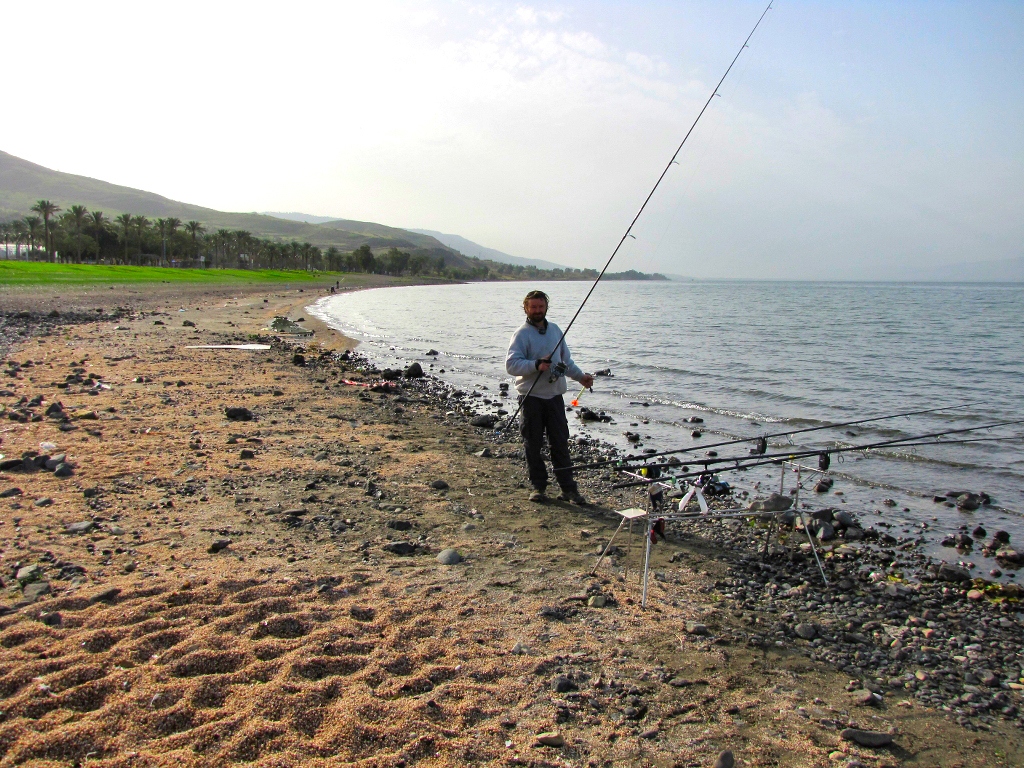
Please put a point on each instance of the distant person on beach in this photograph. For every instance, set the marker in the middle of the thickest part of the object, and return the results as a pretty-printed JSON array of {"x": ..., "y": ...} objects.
[{"x": 538, "y": 358}]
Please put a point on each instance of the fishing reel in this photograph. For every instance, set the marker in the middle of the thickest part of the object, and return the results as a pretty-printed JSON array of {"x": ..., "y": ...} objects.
[{"x": 557, "y": 372}]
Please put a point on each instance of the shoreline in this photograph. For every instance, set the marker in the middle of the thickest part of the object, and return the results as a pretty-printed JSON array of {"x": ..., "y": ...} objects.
[{"x": 268, "y": 589}]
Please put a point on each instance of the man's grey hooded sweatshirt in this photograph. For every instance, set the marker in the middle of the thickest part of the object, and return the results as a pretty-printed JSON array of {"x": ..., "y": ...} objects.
[{"x": 528, "y": 345}]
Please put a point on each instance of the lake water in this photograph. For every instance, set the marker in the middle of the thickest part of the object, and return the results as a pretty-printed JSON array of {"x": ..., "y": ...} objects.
[{"x": 757, "y": 357}]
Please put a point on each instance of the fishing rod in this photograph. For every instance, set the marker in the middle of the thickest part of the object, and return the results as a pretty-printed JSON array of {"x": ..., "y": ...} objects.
[
  {"x": 759, "y": 462},
  {"x": 629, "y": 229},
  {"x": 765, "y": 438},
  {"x": 746, "y": 462}
]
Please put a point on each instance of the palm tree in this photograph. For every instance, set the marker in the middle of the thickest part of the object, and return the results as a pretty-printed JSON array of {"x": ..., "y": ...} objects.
[
  {"x": 78, "y": 215},
  {"x": 125, "y": 220},
  {"x": 195, "y": 229},
  {"x": 241, "y": 238},
  {"x": 20, "y": 231},
  {"x": 141, "y": 224},
  {"x": 98, "y": 225},
  {"x": 46, "y": 209},
  {"x": 5, "y": 232},
  {"x": 162, "y": 226},
  {"x": 172, "y": 225},
  {"x": 32, "y": 224},
  {"x": 223, "y": 237}
]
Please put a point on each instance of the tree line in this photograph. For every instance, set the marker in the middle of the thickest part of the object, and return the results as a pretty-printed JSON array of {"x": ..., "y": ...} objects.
[{"x": 78, "y": 235}]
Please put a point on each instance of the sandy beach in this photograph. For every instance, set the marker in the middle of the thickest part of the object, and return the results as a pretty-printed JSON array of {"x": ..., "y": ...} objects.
[{"x": 239, "y": 564}]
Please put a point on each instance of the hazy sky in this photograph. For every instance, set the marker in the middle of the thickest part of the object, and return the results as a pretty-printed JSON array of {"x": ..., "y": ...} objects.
[{"x": 853, "y": 139}]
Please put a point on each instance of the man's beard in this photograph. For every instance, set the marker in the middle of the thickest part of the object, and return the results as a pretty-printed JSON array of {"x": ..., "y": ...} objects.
[{"x": 537, "y": 319}]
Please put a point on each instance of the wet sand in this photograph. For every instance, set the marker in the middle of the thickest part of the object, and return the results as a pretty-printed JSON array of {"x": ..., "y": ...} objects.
[{"x": 239, "y": 593}]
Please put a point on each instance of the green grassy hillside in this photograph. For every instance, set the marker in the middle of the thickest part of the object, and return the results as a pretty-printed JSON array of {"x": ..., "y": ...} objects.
[{"x": 23, "y": 183}]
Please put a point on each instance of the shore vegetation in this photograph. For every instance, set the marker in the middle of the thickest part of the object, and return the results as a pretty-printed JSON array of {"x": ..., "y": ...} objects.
[{"x": 76, "y": 236}]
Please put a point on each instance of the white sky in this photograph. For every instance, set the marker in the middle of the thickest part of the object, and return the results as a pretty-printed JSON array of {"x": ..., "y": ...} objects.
[{"x": 852, "y": 140}]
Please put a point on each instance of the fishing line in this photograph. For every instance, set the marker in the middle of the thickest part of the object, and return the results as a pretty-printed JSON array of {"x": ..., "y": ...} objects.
[
  {"x": 628, "y": 233},
  {"x": 694, "y": 168}
]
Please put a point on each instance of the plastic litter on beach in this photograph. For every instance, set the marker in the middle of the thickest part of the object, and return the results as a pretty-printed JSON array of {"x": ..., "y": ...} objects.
[{"x": 229, "y": 346}]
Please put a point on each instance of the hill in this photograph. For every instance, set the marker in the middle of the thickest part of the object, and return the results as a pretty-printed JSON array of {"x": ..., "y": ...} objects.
[
  {"x": 23, "y": 182},
  {"x": 469, "y": 248}
]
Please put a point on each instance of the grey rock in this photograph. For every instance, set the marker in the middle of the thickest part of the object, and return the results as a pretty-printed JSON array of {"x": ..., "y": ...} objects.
[
  {"x": 449, "y": 557},
  {"x": 597, "y": 601},
  {"x": 866, "y": 698},
  {"x": 439, "y": 485},
  {"x": 806, "y": 631},
  {"x": 219, "y": 544},
  {"x": 484, "y": 454},
  {"x": 825, "y": 532},
  {"x": 776, "y": 502},
  {"x": 10, "y": 493},
  {"x": 55, "y": 461},
  {"x": 82, "y": 527},
  {"x": 414, "y": 371},
  {"x": 106, "y": 596},
  {"x": 45, "y": 501},
  {"x": 968, "y": 502},
  {"x": 36, "y": 589},
  {"x": 952, "y": 573},
  {"x": 28, "y": 574},
  {"x": 696, "y": 628},
  {"x": 866, "y": 738},
  {"x": 63, "y": 470},
  {"x": 321, "y": 456},
  {"x": 51, "y": 618},
  {"x": 844, "y": 519},
  {"x": 115, "y": 530},
  {"x": 680, "y": 682},
  {"x": 402, "y": 548},
  {"x": 399, "y": 525},
  {"x": 562, "y": 684},
  {"x": 238, "y": 413},
  {"x": 725, "y": 760},
  {"x": 486, "y": 420},
  {"x": 1007, "y": 556}
]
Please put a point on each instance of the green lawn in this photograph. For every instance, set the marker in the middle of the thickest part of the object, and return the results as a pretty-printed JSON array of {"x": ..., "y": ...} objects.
[{"x": 41, "y": 273}]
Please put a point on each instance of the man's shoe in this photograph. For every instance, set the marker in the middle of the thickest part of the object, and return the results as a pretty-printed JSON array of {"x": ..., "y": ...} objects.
[
  {"x": 538, "y": 496},
  {"x": 574, "y": 496}
]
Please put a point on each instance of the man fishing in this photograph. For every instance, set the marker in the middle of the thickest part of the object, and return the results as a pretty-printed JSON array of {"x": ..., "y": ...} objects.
[{"x": 539, "y": 359}]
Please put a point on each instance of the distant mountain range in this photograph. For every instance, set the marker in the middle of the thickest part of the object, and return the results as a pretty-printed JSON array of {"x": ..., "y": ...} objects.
[{"x": 469, "y": 248}]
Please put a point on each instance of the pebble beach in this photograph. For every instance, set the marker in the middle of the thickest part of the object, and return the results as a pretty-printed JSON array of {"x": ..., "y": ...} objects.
[{"x": 273, "y": 556}]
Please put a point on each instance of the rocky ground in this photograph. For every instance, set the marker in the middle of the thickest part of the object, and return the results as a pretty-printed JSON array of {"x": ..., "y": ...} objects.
[{"x": 213, "y": 556}]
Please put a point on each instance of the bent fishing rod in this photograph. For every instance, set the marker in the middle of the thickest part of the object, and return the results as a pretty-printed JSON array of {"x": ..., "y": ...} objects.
[
  {"x": 762, "y": 439},
  {"x": 629, "y": 229},
  {"x": 746, "y": 462}
]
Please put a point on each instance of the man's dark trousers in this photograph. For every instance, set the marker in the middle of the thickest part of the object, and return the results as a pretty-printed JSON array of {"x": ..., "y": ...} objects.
[{"x": 541, "y": 415}]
